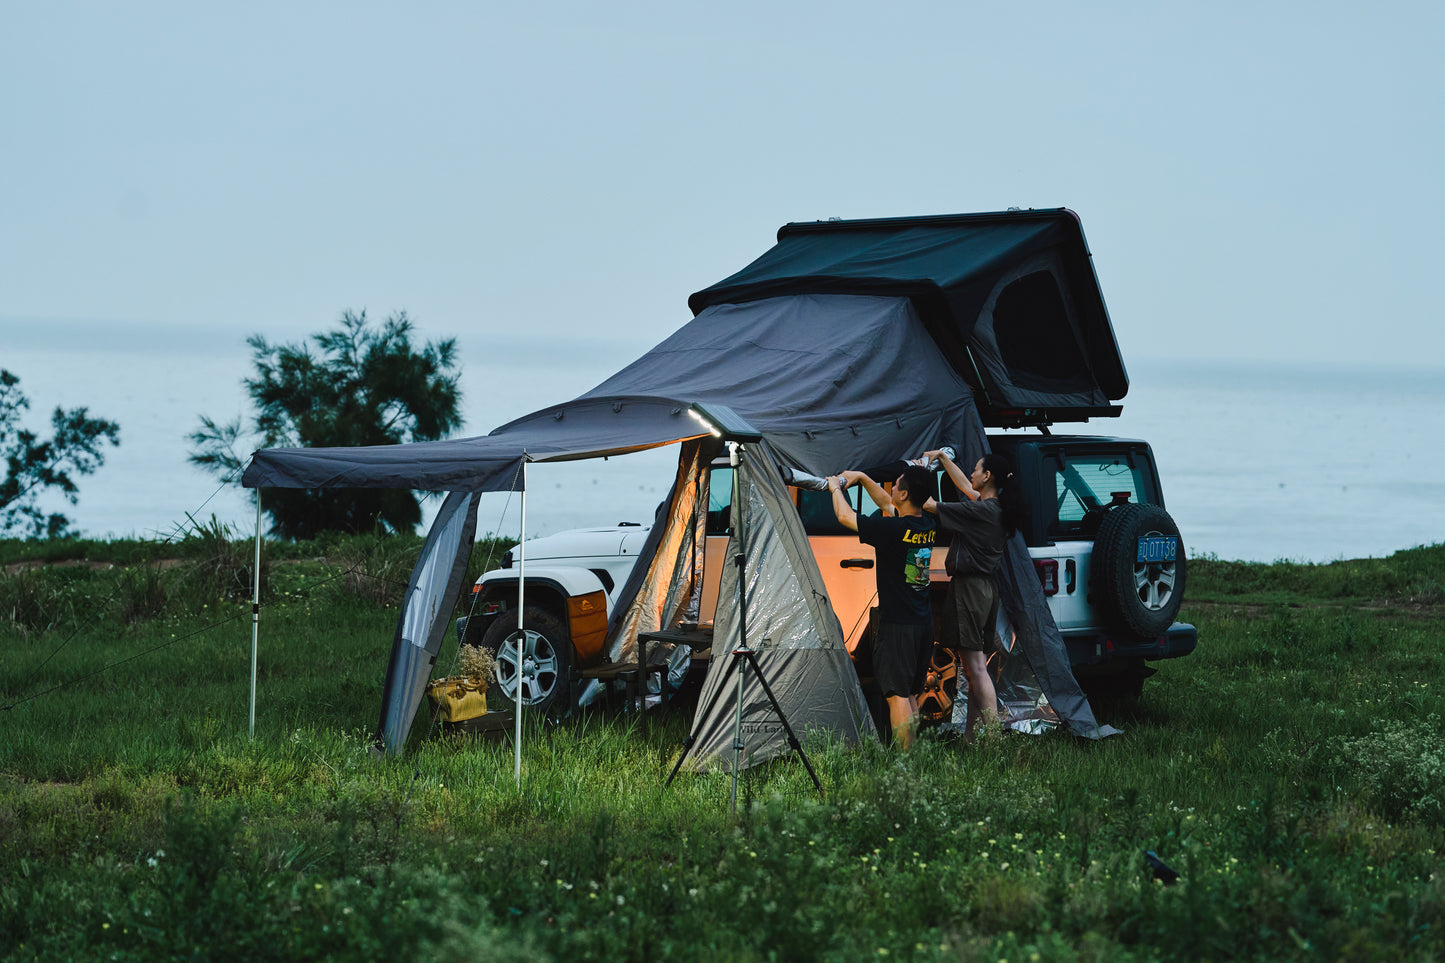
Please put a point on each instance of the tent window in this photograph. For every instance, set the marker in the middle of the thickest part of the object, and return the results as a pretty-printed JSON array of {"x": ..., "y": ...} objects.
[
  {"x": 1031, "y": 325},
  {"x": 719, "y": 501}
]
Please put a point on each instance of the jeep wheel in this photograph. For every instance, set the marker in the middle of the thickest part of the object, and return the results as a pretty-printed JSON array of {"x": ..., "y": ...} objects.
[
  {"x": 544, "y": 665},
  {"x": 1137, "y": 600}
]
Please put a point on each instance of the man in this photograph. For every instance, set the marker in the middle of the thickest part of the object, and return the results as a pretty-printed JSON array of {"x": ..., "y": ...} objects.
[{"x": 902, "y": 540}]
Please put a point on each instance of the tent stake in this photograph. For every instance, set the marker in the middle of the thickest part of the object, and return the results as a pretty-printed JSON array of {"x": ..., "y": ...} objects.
[{"x": 255, "y": 612}]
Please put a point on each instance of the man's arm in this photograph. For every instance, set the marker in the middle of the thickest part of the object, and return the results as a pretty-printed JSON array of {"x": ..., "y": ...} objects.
[
  {"x": 955, "y": 474},
  {"x": 875, "y": 491},
  {"x": 846, "y": 516}
]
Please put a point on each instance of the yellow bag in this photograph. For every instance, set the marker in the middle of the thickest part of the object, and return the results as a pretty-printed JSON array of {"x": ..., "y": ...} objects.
[{"x": 458, "y": 698}]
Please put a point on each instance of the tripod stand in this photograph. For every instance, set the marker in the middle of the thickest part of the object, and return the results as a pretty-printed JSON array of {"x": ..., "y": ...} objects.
[{"x": 742, "y": 656}]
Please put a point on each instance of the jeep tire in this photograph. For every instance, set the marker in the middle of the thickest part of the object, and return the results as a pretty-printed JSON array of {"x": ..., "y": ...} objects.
[
  {"x": 1137, "y": 601},
  {"x": 545, "y": 661}
]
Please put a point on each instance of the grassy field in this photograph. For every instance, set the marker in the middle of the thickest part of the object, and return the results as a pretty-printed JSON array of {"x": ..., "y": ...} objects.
[{"x": 1291, "y": 771}]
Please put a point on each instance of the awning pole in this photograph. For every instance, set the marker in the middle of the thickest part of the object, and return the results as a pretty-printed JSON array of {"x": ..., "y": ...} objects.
[
  {"x": 521, "y": 629},
  {"x": 255, "y": 612}
]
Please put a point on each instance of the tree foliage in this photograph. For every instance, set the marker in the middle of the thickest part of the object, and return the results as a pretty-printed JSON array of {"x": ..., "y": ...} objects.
[
  {"x": 358, "y": 384},
  {"x": 33, "y": 466}
]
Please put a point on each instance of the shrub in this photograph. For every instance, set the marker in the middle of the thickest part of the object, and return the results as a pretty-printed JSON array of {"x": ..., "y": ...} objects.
[{"x": 1401, "y": 766}]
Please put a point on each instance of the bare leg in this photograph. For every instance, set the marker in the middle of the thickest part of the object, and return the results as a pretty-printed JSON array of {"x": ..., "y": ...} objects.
[
  {"x": 982, "y": 699},
  {"x": 901, "y": 711}
]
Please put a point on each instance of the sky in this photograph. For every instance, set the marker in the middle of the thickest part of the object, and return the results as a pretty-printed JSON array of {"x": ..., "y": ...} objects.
[{"x": 547, "y": 183}]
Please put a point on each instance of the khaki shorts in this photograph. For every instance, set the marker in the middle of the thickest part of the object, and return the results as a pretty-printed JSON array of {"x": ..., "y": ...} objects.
[{"x": 970, "y": 613}]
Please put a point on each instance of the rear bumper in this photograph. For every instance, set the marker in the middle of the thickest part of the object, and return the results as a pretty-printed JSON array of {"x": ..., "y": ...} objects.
[{"x": 1096, "y": 648}]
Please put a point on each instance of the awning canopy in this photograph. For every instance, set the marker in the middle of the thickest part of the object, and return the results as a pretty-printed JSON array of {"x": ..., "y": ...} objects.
[{"x": 832, "y": 381}]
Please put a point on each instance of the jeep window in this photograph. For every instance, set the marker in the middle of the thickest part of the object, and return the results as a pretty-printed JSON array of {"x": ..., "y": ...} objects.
[
  {"x": 1084, "y": 484},
  {"x": 816, "y": 510}
]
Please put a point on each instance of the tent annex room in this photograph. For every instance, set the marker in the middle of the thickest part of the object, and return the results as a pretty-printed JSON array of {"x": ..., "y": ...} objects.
[{"x": 848, "y": 343}]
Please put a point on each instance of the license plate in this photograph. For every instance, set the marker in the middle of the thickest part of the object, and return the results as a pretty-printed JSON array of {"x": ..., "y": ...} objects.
[{"x": 1158, "y": 548}]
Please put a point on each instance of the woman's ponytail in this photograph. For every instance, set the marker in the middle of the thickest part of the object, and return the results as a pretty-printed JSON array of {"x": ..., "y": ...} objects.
[{"x": 1010, "y": 499}]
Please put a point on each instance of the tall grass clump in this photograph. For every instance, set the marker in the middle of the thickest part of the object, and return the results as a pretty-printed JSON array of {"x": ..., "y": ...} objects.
[
  {"x": 34, "y": 600},
  {"x": 217, "y": 565},
  {"x": 377, "y": 567}
]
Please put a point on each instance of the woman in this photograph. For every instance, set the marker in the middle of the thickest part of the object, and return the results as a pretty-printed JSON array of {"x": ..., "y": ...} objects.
[{"x": 981, "y": 527}]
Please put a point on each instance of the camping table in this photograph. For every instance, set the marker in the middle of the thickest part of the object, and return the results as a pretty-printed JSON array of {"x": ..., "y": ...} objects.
[{"x": 698, "y": 638}]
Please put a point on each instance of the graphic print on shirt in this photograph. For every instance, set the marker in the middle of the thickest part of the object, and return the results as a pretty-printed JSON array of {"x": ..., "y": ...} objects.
[{"x": 916, "y": 559}]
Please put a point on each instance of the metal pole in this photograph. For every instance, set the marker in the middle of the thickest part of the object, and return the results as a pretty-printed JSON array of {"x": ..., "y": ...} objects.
[
  {"x": 739, "y": 496},
  {"x": 521, "y": 629},
  {"x": 255, "y": 612}
]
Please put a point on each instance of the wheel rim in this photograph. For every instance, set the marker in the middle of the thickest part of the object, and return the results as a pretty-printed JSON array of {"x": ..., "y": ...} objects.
[
  {"x": 535, "y": 666},
  {"x": 935, "y": 703},
  {"x": 1154, "y": 584}
]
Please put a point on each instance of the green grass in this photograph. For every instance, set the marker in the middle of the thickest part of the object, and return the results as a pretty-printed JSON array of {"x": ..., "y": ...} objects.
[{"x": 1290, "y": 770}]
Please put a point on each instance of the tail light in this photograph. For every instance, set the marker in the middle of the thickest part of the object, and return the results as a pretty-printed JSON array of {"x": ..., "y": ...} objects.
[{"x": 1048, "y": 569}]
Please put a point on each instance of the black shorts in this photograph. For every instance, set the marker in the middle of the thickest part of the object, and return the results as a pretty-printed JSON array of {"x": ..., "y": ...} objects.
[
  {"x": 971, "y": 612},
  {"x": 901, "y": 654}
]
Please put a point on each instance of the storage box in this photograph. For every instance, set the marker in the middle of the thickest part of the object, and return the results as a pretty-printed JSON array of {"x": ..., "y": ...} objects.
[{"x": 458, "y": 698}]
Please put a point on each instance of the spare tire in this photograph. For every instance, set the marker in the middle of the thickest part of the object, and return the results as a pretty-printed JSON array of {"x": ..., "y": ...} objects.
[{"x": 1136, "y": 600}]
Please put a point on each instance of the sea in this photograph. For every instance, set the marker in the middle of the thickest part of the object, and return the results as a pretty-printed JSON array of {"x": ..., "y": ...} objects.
[{"x": 1260, "y": 461}]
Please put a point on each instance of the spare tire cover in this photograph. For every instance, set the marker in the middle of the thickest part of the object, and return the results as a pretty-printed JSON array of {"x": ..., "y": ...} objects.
[{"x": 1136, "y": 600}]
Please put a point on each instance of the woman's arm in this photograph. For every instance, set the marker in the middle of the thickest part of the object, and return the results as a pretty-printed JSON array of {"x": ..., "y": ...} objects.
[{"x": 955, "y": 474}]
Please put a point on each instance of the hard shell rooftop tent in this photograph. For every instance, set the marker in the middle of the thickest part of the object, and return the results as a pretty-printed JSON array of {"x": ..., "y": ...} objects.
[
  {"x": 848, "y": 343},
  {"x": 1011, "y": 299}
]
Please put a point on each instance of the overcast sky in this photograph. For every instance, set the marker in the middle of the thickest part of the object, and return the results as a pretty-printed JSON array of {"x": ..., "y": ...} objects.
[{"x": 549, "y": 182}]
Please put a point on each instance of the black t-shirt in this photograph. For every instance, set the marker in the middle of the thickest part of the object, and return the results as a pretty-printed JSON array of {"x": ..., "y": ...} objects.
[
  {"x": 979, "y": 544},
  {"x": 903, "y": 546}
]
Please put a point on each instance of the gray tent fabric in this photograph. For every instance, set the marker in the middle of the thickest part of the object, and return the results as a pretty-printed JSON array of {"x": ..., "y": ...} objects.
[
  {"x": 791, "y": 628},
  {"x": 585, "y": 428},
  {"x": 431, "y": 595},
  {"x": 831, "y": 380},
  {"x": 467, "y": 464}
]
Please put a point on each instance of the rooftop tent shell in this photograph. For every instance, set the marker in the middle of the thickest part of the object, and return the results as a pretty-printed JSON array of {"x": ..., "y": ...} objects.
[{"x": 1011, "y": 299}]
